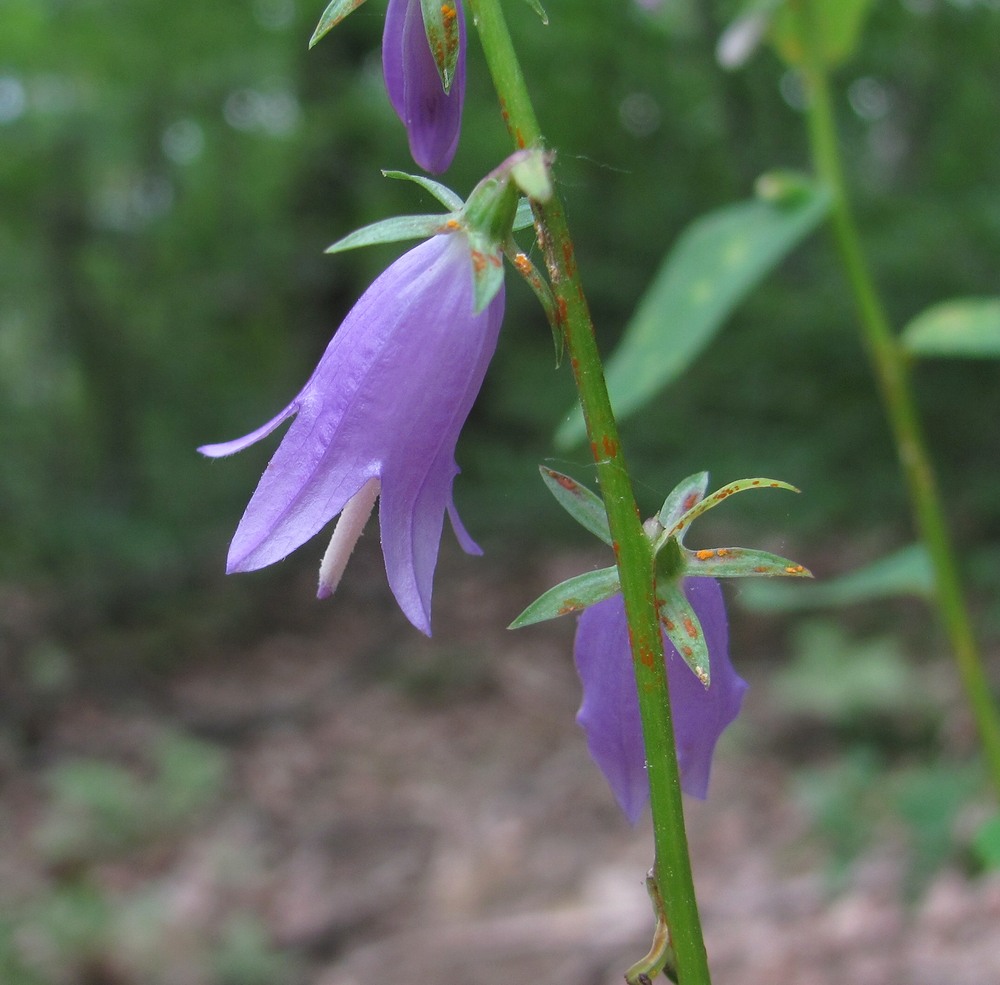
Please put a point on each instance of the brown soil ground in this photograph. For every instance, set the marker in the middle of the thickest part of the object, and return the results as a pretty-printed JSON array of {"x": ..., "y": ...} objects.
[{"x": 424, "y": 812}]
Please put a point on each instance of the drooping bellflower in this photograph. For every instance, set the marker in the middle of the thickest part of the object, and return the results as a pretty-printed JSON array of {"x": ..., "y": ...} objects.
[
  {"x": 432, "y": 116},
  {"x": 609, "y": 713},
  {"x": 379, "y": 418}
]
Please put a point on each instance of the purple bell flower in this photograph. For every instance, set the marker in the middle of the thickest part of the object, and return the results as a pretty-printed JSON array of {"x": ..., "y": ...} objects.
[
  {"x": 379, "y": 418},
  {"x": 432, "y": 117},
  {"x": 609, "y": 713}
]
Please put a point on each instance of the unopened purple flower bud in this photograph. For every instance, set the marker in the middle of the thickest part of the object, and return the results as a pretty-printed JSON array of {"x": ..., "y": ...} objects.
[
  {"x": 379, "y": 417},
  {"x": 432, "y": 116},
  {"x": 609, "y": 713}
]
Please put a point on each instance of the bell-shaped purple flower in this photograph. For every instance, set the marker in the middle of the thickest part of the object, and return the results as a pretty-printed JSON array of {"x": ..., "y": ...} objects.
[
  {"x": 610, "y": 711},
  {"x": 379, "y": 417},
  {"x": 432, "y": 117}
]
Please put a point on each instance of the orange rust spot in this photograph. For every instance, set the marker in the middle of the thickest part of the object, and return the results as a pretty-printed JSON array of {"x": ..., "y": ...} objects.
[
  {"x": 646, "y": 657},
  {"x": 774, "y": 485},
  {"x": 702, "y": 555},
  {"x": 561, "y": 310},
  {"x": 610, "y": 446},
  {"x": 689, "y": 500},
  {"x": 687, "y": 651},
  {"x": 575, "y": 363},
  {"x": 568, "y": 260},
  {"x": 570, "y": 605},
  {"x": 794, "y": 569},
  {"x": 478, "y": 261},
  {"x": 519, "y": 138},
  {"x": 690, "y": 628},
  {"x": 522, "y": 263},
  {"x": 670, "y": 624},
  {"x": 615, "y": 547},
  {"x": 722, "y": 552},
  {"x": 756, "y": 482},
  {"x": 593, "y": 451},
  {"x": 564, "y": 480},
  {"x": 452, "y": 224},
  {"x": 762, "y": 569}
]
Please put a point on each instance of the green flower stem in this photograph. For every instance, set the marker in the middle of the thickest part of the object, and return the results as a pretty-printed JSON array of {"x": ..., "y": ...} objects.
[
  {"x": 892, "y": 373},
  {"x": 632, "y": 549}
]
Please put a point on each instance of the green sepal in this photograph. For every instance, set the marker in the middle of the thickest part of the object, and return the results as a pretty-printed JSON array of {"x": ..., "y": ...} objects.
[
  {"x": 442, "y": 193},
  {"x": 683, "y": 497},
  {"x": 335, "y": 12},
  {"x": 585, "y": 506},
  {"x": 572, "y": 595},
  {"x": 713, "y": 500},
  {"x": 523, "y": 217},
  {"x": 487, "y": 269},
  {"x": 740, "y": 562},
  {"x": 392, "y": 231},
  {"x": 683, "y": 628},
  {"x": 538, "y": 9},
  {"x": 441, "y": 28},
  {"x": 963, "y": 328}
]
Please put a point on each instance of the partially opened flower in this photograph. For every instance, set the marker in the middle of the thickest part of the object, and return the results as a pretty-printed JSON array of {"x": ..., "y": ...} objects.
[
  {"x": 427, "y": 92},
  {"x": 379, "y": 418},
  {"x": 610, "y": 711}
]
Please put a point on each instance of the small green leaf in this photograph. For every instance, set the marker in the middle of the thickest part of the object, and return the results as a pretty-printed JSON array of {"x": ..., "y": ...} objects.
[
  {"x": 715, "y": 263},
  {"x": 681, "y": 624},
  {"x": 907, "y": 572},
  {"x": 571, "y": 595},
  {"x": 961, "y": 328},
  {"x": 586, "y": 507},
  {"x": 335, "y": 12},
  {"x": 713, "y": 500},
  {"x": 538, "y": 9},
  {"x": 441, "y": 27},
  {"x": 683, "y": 497},
  {"x": 524, "y": 217},
  {"x": 740, "y": 562},
  {"x": 442, "y": 193},
  {"x": 392, "y": 230},
  {"x": 838, "y": 26},
  {"x": 533, "y": 175}
]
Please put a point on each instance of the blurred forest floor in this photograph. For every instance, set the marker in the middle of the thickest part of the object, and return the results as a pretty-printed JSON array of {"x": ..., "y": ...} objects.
[{"x": 339, "y": 801}]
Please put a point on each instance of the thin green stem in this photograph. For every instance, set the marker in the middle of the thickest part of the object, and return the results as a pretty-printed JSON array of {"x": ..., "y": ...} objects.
[
  {"x": 633, "y": 554},
  {"x": 892, "y": 373}
]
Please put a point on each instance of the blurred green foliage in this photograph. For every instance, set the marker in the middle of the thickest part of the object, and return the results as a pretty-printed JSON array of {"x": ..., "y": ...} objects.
[{"x": 170, "y": 174}]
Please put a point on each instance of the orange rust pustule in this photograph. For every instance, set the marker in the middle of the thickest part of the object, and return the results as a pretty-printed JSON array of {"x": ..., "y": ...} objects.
[
  {"x": 689, "y": 500},
  {"x": 561, "y": 310},
  {"x": 593, "y": 451},
  {"x": 615, "y": 547},
  {"x": 568, "y": 259},
  {"x": 609, "y": 445},
  {"x": 564, "y": 480},
  {"x": 669, "y": 624},
  {"x": 646, "y": 657},
  {"x": 690, "y": 628},
  {"x": 519, "y": 139},
  {"x": 570, "y": 605},
  {"x": 478, "y": 261},
  {"x": 703, "y": 555},
  {"x": 794, "y": 569}
]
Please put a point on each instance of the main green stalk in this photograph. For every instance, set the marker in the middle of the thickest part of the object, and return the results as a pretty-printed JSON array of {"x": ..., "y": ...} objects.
[
  {"x": 892, "y": 374},
  {"x": 632, "y": 550}
]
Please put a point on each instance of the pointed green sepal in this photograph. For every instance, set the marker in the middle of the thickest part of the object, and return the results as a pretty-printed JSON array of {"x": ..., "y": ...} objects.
[
  {"x": 681, "y": 624},
  {"x": 442, "y": 193},
  {"x": 713, "y": 500},
  {"x": 523, "y": 217},
  {"x": 572, "y": 595},
  {"x": 740, "y": 562},
  {"x": 683, "y": 497},
  {"x": 538, "y": 9},
  {"x": 441, "y": 27},
  {"x": 579, "y": 502},
  {"x": 335, "y": 12},
  {"x": 394, "y": 230},
  {"x": 487, "y": 269},
  {"x": 542, "y": 291}
]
